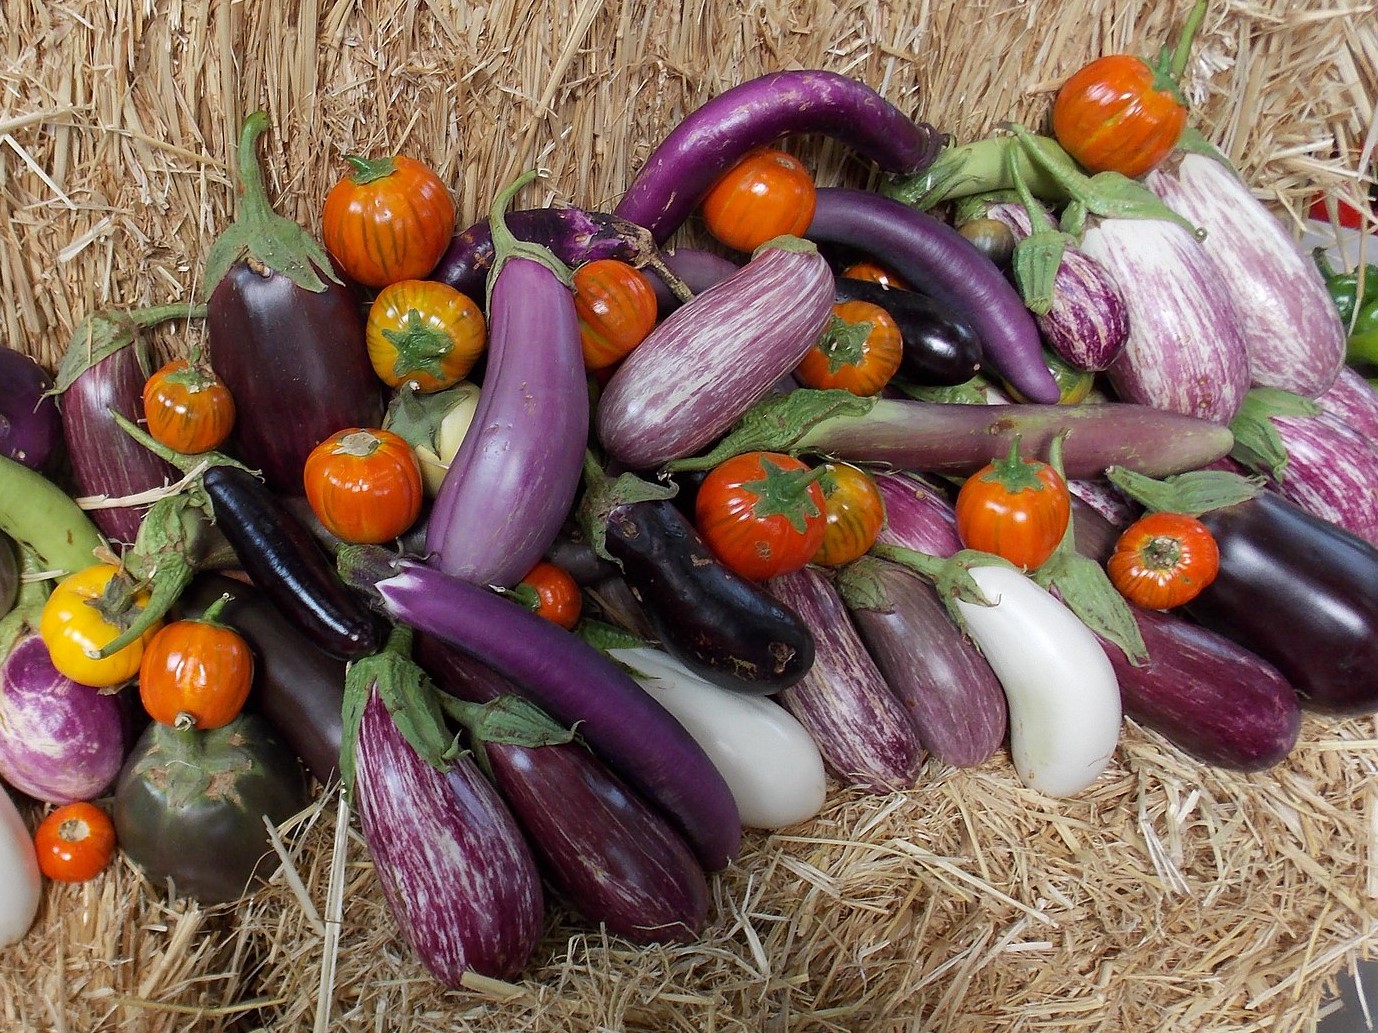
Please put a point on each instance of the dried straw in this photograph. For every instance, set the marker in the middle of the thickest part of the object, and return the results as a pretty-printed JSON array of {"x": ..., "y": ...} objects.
[{"x": 1169, "y": 894}]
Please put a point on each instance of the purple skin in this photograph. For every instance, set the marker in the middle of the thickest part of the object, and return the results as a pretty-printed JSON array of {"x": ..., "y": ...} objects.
[
  {"x": 862, "y": 730},
  {"x": 30, "y": 425},
  {"x": 1352, "y": 400},
  {"x": 696, "y": 268},
  {"x": 936, "y": 259},
  {"x": 59, "y": 741},
  {"x": 1331, "y": 472},
  {"x": 455, "y": 870},
  {"x": 917, "y": 515},
  {"x": 716, "y": 135}
]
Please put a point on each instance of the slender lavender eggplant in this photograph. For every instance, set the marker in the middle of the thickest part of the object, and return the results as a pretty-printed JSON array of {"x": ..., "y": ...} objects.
[
  {"x": 716, "y": 135},
  {"x": 1292, "y": 332},
  {"x": 512, "y": 483},
  {"x": 723, "y": 627},
  {"x": 1186, "y": 351},
  {"x": 1352, "y": 400},
  {"x": 939, "y": 348},
  {"x": 284, "y": 560},
  {"x": 456, "y": 873},
  {"x": 935, "y": 258},
  {"x": 918, "y": 515},
  {"x": 606, "y": 852},
  {"x": 1297, "y": 591},
  {"x": 952, "y": 695},
  {"x": 1087, "y": 324},
  {"x": 286, "y": 335},
  {"x": 30, "y": 425},
  {"x": 706, "y": 363},
  {"x": 574, "y": 683},
  {"x": 862, "y": 731}
]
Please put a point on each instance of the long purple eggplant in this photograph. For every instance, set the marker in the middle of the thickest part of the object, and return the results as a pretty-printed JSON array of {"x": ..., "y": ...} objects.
[
  {"x": 946, "y": 685},
  {"x": 455, "y": 871},
  {"x": 512, "y": 483},
  {"x": 574, "y": 683},
  {"x": 861, "y": 729},
  {"x": 30, "y": 425},
  {"x": 696, "y": 268},
  {"x": 719, "y": 132},
  {"x": 707, "y": 362},
  {"x": 1292, "y": 332},
  {"x": 607, "y": 853},
  {"x": 286, "y": 335},
  {"x": 917, "y": 515},
  {"x": 104, "y": 369},
  {"x": 936, "y": 259}
]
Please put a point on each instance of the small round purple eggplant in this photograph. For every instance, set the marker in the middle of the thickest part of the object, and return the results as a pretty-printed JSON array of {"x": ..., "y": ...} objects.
[{"x": 30, "y": 425}]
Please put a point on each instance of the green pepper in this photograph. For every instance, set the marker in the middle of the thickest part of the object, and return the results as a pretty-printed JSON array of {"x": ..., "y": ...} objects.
[
  {"x": 1343, "y": 288},
  {"x": 1362, "y": 346}
]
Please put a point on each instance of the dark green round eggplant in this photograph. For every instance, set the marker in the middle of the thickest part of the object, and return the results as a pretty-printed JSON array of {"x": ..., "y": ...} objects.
[{"x": 189, "y": 806}]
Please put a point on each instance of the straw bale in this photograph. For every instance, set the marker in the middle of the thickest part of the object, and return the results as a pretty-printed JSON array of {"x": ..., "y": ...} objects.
[{"x": 1168, "y": 894}]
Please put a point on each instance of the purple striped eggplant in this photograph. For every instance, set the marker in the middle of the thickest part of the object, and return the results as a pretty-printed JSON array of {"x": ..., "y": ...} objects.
[
  {"x": 1352, "y": 400},
  {"x": 712, "y": 138},
  {"x": 613, "y": 858},
  {"x": 952, "y": 695},
  {"x": 1186, "y": 351},
  {"x": 510, "y": 486},
  {"x": 696, "y": 269},
  {"x": 1331, "y": 471},
  {"x": 862, "y": 730},
  {"x": 454, "y": 868},
  {"x": 1292, "y": 332},
  {"x": 715, "y": 356},
  {"x": 918, "y": 515}
]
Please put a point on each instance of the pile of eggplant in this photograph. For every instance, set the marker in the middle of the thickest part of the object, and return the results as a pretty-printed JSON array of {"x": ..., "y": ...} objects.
[{"x": 497, "y": 761}]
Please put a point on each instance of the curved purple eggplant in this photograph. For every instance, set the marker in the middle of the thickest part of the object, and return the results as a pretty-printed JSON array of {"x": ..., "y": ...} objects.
[
  {"x": 30, "y": 425},
  {"x": 939, "y": 261},
  {"x": 719, "y": 132}
]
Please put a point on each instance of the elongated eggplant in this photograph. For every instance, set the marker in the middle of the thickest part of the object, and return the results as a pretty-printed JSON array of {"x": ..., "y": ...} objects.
[
  {"x": 863, "y": 732},
  {"x": 512, "y": 482},
  {"x": 1297, "y": 591},
  {"x": 297, "y": 688},
  {"x": 918, "y": 515},
  {"x": 939, "y": 348},
  {"x": 456, "y": 873},
  {"x": 574, "y": 683},
  {"x": 1292, "y": 333},
  {"x": 284, "y": 560},
  {"x": 19, "y": 870},
  {"x": 1186, "y": 351},
  {"x": 719, "y": 132},
  {"x": 611, "y": 856},
  {"x": 30, "y": 425},
  {"x": 696, "y": 269},
  {"x": 949, "y": 690},
  {"x": 723, "y": 627},
  {"x": 1331, "y": 471},
  {"x": 707, "y": 362},
  {"x": 1352, "y": 400},
  {"x": 286, "y": 334},
  {"x": 934, "y": 258}
]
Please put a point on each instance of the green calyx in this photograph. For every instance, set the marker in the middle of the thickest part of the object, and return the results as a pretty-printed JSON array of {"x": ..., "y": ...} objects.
[
  {"x": 603, "y": 495},
  {"x": 843, "y": 344},
  {"x": 1194, "y": 492},
  {"x": 1172, "y": 61},
  {"x": 369, "y": 170},
  {"x": 102, "y": 334},
  {"x": 1014, "y": 473},
  {"x": 420, "y": 346},
  {"x": 785, "y": 492},
  {"x": 506, "y": 246}
]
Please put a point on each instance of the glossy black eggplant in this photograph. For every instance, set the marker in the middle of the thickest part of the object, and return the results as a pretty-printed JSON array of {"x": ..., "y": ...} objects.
[
  {"x": 286, "y": 338},
  {"x": 717, "y": 623},
  {"x": 940, "y": 348},
  {"x": 284, "y": 560},
  {"x": 298, "y": 688},
  {"x": 1299, "y": 592}
]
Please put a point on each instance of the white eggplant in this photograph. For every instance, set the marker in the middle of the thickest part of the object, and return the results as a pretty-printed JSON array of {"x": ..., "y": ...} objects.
[
  {"x": 766, "y": 757},
  {"x": 20, "y": 883},
  {"x": 1064, "y": 699},
  {"x": 1292, "y": 331},
  {"x": 1186, "y": 350}
]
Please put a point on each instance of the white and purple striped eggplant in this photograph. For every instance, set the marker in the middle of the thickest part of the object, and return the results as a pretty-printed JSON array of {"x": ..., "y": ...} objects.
[
  {"x": 456, "y": 873},
  {"x": 1331, "y": 472},
  {"x": 1088, "y": 323},
  {"x": 863, "y": 732},
  {"x": 1292, "y": 331},
  {"x": 1352, "y": 400},
  {"x": 1186, "y": 352},
  {"x": 712, "y": 358}
]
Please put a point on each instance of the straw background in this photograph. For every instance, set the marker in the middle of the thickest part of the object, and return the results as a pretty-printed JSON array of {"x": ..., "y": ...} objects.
[{"x": 1168, "y": 895}]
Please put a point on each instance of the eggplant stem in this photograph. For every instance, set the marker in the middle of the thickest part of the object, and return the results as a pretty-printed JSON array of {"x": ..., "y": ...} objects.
[{"x": 506, "y": 244}]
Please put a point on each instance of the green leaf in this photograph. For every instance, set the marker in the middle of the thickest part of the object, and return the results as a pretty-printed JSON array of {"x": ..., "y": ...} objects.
[
  {"x": 603, "y": 636},
  {"x": 1194, "y": 492}
]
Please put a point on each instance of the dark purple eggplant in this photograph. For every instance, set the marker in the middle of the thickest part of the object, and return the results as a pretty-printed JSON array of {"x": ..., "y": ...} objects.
[
  {"x": 103, "y": 371},
  {"x": 456, "y": 873},
  {"x": 719, "y": 132},
  {"x": 298, "y": 688},
  {"x": 614, "y": 859},
  {"x": 30, "y": 425},
  {"x": 288, "y": 565},
  {"x": 934, "y": 258},
  {"x": 952, "y": 695},
  {"x": 722, "y": 626},
  {"x": 1297, "y": 591},
  {"x": 939, "y": 348},
  {"x": 512, "y": 482},
  {"x": 696, "y": 269},
  {"x": 863, "y": 732},
  {"x": 286, "y": 334},
  {"x": 574, "y": 683}
]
